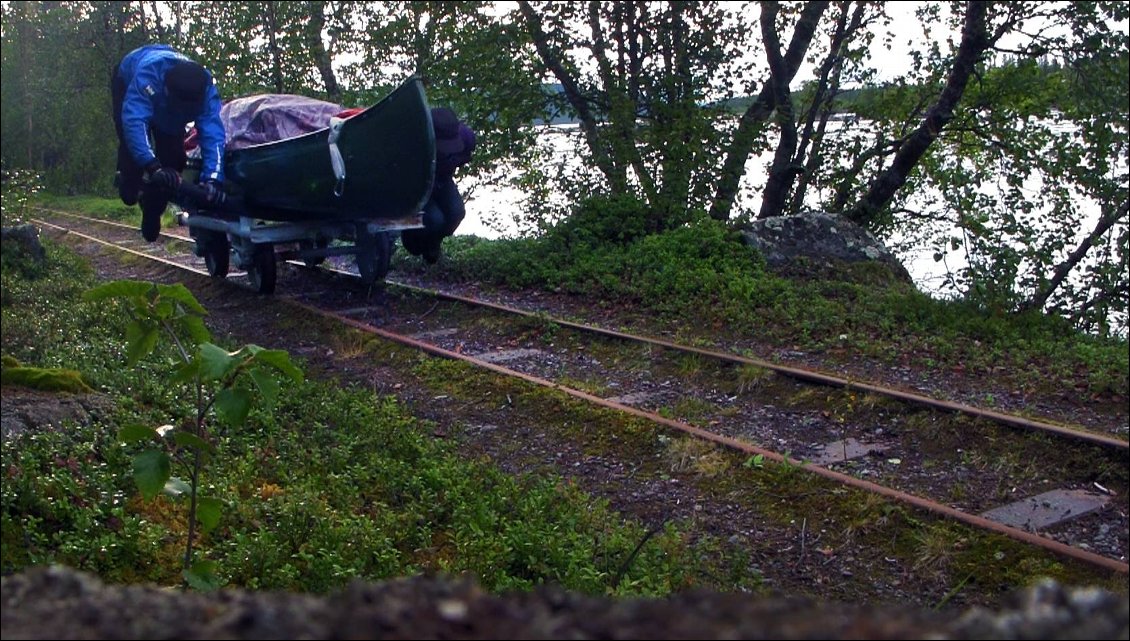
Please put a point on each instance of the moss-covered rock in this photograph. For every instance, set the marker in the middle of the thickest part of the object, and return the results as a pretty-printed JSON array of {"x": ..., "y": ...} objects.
[{"x": 46, "y": 379}]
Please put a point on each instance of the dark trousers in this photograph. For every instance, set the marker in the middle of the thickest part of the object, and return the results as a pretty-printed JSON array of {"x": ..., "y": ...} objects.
[
  {"x": 168, "y": 147},
  {"x": 442, "y": 214},
  {"x": 444, "y": 210}
]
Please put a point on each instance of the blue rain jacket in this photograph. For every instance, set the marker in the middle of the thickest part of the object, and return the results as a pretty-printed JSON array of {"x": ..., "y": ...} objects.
[{"x": 145, "y": 103}]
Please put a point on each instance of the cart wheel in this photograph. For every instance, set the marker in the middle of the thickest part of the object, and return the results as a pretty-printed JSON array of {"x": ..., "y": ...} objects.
[
  {"x": 217, "y": 255},
  {"x": 384, "y": 255},
  {"x": 322, "y": 243},
  {"x": 374, "y": 264},
  {"x": 262, "y": 271}
]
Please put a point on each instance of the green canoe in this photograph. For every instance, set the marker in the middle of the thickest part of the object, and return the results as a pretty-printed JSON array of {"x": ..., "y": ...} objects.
[{"x": 388, "y": 162}]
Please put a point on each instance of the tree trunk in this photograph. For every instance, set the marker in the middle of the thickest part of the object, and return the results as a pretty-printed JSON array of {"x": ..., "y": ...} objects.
[
  {"x": 758, "y": 112},
  {"x": 273, "y": 44},
  {"x": 178, "y": 21},
  {"x": 621, "y": 110},
  {"x": 974, "y": 41},
  {"x": 158, "y": 25},
  {"x": 1063, "y": 269},
  {"x": 26, "y": 14},
  {"x": 319, "y": 52},
  {"x": 823, "y": 99},
  {"x": 422, "y": 42},
  {"x": 780, "y": 173},
  {"x": 670, "y": 209}
]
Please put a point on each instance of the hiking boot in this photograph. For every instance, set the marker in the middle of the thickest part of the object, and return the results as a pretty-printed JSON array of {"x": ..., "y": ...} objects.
[
  {"x": 431, "y": 254},
  {"x": 413, "y": 240},
  {"x": 152, "y": 206}
]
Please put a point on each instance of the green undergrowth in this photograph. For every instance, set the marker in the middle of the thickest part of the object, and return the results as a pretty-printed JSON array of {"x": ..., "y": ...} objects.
[
  {"x": 336, "y": 483},
  {"x": 93, "y": 206}
]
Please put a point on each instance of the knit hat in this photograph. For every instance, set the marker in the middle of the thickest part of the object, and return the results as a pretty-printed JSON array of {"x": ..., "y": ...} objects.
[
  {"x": 446, "y": 125},
  {"x": 186, "y": 83}
]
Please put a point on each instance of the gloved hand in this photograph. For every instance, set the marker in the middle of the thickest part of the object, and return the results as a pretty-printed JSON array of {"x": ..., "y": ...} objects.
[
  {"x": 214, "y": 193},
  {"x": 163, "y": 176}
]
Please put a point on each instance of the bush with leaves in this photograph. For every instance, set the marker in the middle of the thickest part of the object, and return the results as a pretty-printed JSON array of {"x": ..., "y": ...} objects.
[
  {"x": 604, "y": 220},
  {"x": 225, "y": 385}
]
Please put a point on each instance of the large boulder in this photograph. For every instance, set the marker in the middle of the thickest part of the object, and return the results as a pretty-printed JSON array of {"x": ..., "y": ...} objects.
[
  {"x": 26, "y": 238},
  {"x": 31, "y": 410},
  {"x": 818, "y": 239}
]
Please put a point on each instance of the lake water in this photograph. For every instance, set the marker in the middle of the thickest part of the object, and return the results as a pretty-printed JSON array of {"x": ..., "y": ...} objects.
[{"x": 490, "y": 202}]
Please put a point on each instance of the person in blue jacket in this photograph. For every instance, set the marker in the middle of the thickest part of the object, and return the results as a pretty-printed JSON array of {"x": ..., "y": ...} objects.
[
  {"x": 156, "y": 92},
  {"x": 455, "y": 143}
]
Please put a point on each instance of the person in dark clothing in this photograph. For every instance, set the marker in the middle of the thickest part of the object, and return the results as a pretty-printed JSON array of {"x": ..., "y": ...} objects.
[
  {"x": 157, "y": 91},
  {"x": 444, "y": 210}
]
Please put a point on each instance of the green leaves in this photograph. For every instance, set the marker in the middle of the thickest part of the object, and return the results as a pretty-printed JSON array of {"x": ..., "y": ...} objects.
[
  {"x": 208, "y": 512},
  {"x": 756, "y": 461},
  {"x": 233, "y": 405},
  {"x": 278, "y": 359},
  {"x": 202, "y": 576},
  {"x": 194, "y": 326},
  {"x": 135, "y": 433},
  {"x": 154, "y": 308},
  {"x": 234, "y": 400},
  {"x": 268, "y": 386},
  {"x": 177, "y": 487},
  {"x": 151, "y": 469},
  {"x": 225, "y": 381},
  {"x": 217, "y": 363},
  {"x": 214, "y": 362},
  {"x": 187, "y": 439},
  {"x": 141, "y": 338},
  {"x": 119, "y": 289}
]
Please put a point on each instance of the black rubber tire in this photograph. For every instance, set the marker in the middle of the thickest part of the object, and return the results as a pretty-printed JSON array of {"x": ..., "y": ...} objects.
[
  {"x": 385, "y": 244},
  {"x": 382, "y": 259},
  {"x": 263, "y": 271},
  {"x": 217, "y": 255}
]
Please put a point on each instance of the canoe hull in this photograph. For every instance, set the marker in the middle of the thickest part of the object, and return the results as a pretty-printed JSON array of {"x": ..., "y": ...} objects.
[{"x": 389, "y": 159}]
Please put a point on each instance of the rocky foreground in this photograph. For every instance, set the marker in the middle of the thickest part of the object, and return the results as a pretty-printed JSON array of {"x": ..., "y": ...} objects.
[{"x": 59, "y": 603}]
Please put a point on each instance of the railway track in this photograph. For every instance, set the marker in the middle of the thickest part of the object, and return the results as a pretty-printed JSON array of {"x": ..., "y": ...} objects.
[{"x": 1060, "y": 487}]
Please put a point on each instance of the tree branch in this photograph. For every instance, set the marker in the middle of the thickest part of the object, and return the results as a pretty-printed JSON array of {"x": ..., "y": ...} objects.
[
  {"x": 974, "y": 41},
  {"x": 1104, "y": 224}
]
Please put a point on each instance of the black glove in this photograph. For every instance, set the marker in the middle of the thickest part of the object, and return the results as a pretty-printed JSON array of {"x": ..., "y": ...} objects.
[
  {"x": 214, "y": 193},
  {"x": 163, "y": 177}
]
